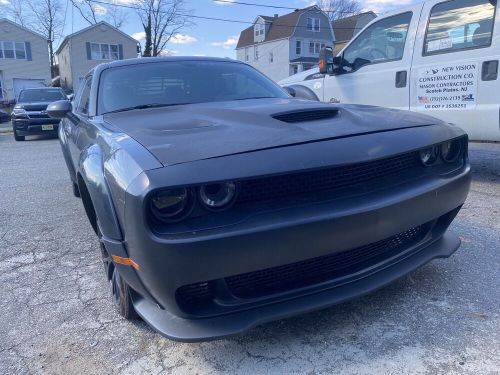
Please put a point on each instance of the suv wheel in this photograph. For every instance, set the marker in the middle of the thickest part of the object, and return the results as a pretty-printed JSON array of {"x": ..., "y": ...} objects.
[{"x": 18, "y": 138}]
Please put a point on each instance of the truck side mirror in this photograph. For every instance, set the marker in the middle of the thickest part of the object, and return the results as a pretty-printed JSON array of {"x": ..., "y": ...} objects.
[
  {"x": 59, "y": 109},
  {"x": 328, "y": 64}
]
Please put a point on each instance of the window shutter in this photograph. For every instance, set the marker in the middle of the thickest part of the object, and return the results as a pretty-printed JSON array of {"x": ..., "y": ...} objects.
[
  {"x": 89, "y": 56},
  {"x": 28, "y": 51},
  {"x": 120, "y": 51}
]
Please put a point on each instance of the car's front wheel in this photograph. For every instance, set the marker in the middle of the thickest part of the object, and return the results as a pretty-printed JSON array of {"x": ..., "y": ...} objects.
[
  {"x": 121, "y": 296},
  {"x": 18, "y": 137},
  {"x": 120, "y": 291}
]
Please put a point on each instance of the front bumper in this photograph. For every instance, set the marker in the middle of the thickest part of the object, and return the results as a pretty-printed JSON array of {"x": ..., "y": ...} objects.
[
  {"x": 25, "y": 127},
  {"x": 277, "y": 237},
  {"x": 192, "y": 330}
]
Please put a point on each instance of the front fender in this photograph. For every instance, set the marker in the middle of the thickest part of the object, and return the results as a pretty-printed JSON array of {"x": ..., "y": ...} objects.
[
  {"x": 91, "y": 169},
  {"x": 63, "y": 140}
]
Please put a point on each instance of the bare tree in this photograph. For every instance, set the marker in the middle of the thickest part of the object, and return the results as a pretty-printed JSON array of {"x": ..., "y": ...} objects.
[
  {"x": 17, "y": 12},
  {"x": 93, "y": 12},
  {"x": 45, "y": 17},
  {"x": 161, "y": 20},
  {"x": 116, "y": 17},
  {"x": 336, "y": 9}
]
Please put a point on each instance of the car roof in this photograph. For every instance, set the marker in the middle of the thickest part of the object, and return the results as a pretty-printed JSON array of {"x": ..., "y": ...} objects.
[{"x": 149, "y": 60}]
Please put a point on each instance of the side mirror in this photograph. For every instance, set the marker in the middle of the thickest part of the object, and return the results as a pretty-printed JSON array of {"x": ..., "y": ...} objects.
[
  {"x": 59, "y": 109},
  {"x": 71, "y": 97},
  {"x": 290, "y": 90},
  {"x": 328, "y": 64}
]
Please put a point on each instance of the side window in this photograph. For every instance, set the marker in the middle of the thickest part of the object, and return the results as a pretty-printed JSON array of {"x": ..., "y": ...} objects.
[
  {"x": 382, "y": 41},
  {"x": 83, "y": 104},
  {"x": 459, "y": 24}
]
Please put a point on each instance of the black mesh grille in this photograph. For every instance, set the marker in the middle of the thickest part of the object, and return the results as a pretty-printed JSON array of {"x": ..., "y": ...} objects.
[
  {"x": 305, "y": 273},
  {"x": 316, "y": 270},
  {"x": 304, "y": 116},
  {"x": 327, "y": 179}
]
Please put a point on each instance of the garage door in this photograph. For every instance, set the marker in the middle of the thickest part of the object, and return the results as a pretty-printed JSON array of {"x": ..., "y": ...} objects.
[{"x": 21, "y": 84}]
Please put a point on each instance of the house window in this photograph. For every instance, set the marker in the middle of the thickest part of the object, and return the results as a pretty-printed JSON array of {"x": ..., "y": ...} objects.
[
  {"x": 13, "y": 50},
  {"x": 103, "y": 51},
  {"x": 315, "y": 47},
  {"x": 20, "y": 51},
  {"x": 259, "y": 29},
  {"x": 1, "y": 89},
  {"x": 313, "y": 24},
  {"x": 298, "y": 47},
  {"x": 246, "y": 55},
  {"x": 271, "y": 57},
  {"x": 256, "y": 53}
]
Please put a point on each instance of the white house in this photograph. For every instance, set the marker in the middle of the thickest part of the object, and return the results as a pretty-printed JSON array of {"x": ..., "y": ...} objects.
[
  {"x": 280, "y": 46},
  {"x": 24, "y": 60},
  {"x": 83, "y": 50}
]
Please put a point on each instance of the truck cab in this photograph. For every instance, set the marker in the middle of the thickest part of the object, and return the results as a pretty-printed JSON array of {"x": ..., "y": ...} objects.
[{"x": 438, "y": 57}]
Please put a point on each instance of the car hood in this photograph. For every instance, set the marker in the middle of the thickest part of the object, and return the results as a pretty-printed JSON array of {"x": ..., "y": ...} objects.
[
  {"x": 184, "y": 133},
  {"x": 34, "y": 106}
]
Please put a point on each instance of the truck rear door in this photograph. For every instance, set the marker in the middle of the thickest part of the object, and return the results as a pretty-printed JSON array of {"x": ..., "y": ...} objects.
[
  {"x": 455, "y": 67},
  {"x": 377, "y": 63}
]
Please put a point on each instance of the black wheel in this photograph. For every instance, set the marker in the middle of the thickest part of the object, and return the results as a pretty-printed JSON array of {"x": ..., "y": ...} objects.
[
  {"x": 120, "y": 291},
  {"x": 76, "y": 190},
  {"x": 121, "y": 296},
  {"x": 18, "y": 138}
]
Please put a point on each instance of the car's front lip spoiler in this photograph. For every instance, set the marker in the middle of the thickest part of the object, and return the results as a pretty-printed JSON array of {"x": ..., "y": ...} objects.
[{"x": 193, "y": 330}]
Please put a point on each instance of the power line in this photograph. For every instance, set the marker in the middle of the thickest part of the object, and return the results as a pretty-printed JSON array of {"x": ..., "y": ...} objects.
[
  {"x": 277, "y": 6},
  {"x": 212, "y": 18}
]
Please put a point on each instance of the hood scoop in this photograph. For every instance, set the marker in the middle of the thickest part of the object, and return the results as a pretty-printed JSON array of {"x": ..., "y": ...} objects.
[{"x": 306, "y": 116}]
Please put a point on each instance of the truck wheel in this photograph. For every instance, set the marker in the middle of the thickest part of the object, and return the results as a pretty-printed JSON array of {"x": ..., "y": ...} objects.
[
  {"x": 121, "y": 296},
  {"x": 76, "y": 190},
  {"x": 18, "y": 138}
]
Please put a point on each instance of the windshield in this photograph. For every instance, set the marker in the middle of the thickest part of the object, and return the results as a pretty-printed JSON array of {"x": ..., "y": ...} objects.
[
  {"x": 181, "y": 82},
  {"x": 41, "y": 95}
]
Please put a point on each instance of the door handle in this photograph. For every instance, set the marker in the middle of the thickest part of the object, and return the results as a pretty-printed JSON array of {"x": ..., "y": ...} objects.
[
  {"x": 489, "y": 71},
  {"x": 401, "y": 78}
]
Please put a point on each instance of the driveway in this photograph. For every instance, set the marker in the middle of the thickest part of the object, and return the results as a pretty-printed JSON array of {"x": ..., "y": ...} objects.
[{"x": 56, "y": 315}]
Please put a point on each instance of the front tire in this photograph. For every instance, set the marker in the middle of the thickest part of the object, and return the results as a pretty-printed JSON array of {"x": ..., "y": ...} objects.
[
  {"x": 76, "y": 190},
  {"x": 18, "y": 138},
  {"x": 120, "y": 291},
  {"x": 121, "y": 296}
]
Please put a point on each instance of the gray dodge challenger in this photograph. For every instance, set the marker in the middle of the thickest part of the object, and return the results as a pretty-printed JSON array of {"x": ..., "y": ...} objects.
[{"x": 221, "y": 202}]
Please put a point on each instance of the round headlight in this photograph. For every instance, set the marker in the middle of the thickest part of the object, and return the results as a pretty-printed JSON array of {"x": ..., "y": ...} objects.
[
  {"x": 173, "y": 204},
  {"x": 429, "y": 155},
  {"x": 218, "y": 196},
  {"x": 451, "y": 150}
]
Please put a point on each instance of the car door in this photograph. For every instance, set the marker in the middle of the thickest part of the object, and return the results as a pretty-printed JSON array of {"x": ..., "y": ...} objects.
[
  {"x": 377, "y": 63},
  {"x": 455, "y": 67},
  {"x": 73, "y": 125}
]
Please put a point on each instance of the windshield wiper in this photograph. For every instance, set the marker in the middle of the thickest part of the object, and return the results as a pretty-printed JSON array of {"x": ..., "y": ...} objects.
[{"x": 143, "y": 106}]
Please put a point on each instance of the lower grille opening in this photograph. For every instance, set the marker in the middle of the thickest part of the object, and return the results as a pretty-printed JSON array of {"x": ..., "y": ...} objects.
[{"x": 302, "y": 274}]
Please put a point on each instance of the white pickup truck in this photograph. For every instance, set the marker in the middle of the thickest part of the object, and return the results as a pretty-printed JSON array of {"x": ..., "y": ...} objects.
[{"x": 438, "y": 57}]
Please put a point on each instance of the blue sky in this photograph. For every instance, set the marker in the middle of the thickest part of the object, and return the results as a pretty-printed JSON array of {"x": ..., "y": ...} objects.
[{"x": 215, "y": 38}]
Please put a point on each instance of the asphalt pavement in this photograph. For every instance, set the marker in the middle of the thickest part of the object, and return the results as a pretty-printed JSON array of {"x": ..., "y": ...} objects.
[{"x": 56, "y": 316}]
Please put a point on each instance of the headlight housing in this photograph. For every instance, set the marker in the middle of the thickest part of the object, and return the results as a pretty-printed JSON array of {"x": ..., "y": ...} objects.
[
  {"x": 19, "y": 111},
  {"x": 218, "y": 196},
  {"x": 429, "y": 155},
  {"x": 451, "y": 150},
  {"x": 172, "y": 205}
]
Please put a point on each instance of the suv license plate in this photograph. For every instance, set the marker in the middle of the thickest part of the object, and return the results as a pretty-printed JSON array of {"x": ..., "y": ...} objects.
[{"x": 47, "y": 127}]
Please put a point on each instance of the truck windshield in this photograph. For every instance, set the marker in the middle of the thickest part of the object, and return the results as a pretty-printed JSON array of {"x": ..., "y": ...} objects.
[
  {"x": 169, "y": 83},
  {"x": 40, "y": 95}
]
